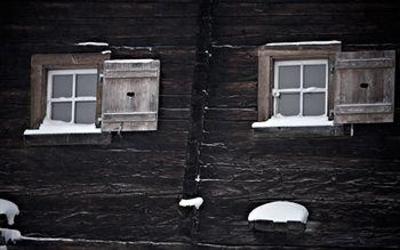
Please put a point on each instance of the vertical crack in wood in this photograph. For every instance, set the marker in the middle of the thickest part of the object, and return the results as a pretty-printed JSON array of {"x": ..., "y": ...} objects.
[
  {"x": 198, "y": 104},
  {"x": 199, "y": 98}
]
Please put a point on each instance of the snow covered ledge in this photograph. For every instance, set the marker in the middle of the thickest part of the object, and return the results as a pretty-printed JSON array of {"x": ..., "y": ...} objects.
[
  {"x": 194, "y": 202},
  {"x": 294, "y": 121},
  {"x": 304, "y": 43},
  {"x": 50, "y": 127},
  {"x": 264, "y": 217}
]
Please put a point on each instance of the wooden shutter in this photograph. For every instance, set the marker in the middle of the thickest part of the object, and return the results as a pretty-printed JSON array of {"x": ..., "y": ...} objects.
[
  {"x": 130, "y": 95},
  {"x": 365, "y": 87}
]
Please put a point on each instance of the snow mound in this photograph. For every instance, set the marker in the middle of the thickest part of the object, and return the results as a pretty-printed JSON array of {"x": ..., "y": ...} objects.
[
  {"x": 10, "y": 234},
  {"x": 194, "y": 202},
  {"x": 9, "y": 209},
  {"x": 280, "y": 211}
]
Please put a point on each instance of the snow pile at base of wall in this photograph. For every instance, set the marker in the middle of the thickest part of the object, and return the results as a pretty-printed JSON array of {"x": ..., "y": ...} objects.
[
  {"x": 279, "y": 211},
  {"x": 10, "y": 234},
  {"x": 194, "y": 202},
  {"x": 9, "y": 209}
]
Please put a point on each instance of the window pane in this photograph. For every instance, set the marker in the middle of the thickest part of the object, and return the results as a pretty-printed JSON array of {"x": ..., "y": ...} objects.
[
  {"x": 85, "y": 112},
  {"x": 289, "y": 104},
  {"x": 62, "y": 86},
  {"x": 314, "y": 76},
  {"x": 61, "y": 111},
  {"x": 86, "y": 84},
  {"x": 314, "y": 104},
  {"x": 289, "y": 77}
]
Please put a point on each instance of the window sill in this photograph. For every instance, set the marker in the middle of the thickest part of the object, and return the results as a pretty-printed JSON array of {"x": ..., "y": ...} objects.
[
  {"x": 64, "y": 130},
  {"x": 61, "y": 133},
  {"x": 293, "y": 121},
  {"x": 297, "y": 127}
]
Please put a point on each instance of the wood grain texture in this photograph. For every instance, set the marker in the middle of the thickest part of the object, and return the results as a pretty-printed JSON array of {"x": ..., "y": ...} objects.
[
  {"x": 129, "y": 189},
  {"x": 365, "y": 83}
]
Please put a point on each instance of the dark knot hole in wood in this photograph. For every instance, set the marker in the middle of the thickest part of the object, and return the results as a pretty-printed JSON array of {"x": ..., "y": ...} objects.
[
  {"x": 364, "y": 85},
  {"x": 130, "y": 94}
]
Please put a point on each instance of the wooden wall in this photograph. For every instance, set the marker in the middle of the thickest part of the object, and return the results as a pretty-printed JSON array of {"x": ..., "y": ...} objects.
[
  {"x": 129, "y": 190},
  {"x": 349, "y": 184}
]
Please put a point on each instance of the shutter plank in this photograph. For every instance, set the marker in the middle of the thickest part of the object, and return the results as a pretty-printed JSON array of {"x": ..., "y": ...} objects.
[
  {"x": 365, "y": 87},
  {"x": 130, "y": 95},
  {"x": 381, "y": 62}
]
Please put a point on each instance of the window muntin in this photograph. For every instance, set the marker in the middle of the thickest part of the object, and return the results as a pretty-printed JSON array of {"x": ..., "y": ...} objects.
[
  {"x": 300, "y": 88},
  {"x": 72, "y": 96}
]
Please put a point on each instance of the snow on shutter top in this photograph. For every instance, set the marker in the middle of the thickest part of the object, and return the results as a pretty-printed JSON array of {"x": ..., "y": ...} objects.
[
  {"x": 365, "y": 86},
  {"x": 130, "y": 95}
]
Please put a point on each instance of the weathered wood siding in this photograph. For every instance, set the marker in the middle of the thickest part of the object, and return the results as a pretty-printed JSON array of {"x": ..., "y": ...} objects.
[
  {"x": 129, "y": 189},
  {"x": 349, "y": 184}
]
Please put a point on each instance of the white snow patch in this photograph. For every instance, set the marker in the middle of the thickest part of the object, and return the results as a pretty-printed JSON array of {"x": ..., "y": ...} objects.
[
  {"x": 60, "y": 127},
  {"x": 194, "y": 202},
  {"x": 313, "y": 90},
  {"x": 230, "y": 46},
  {"x": 101, "y": 44},
  {"x": 106, "y": 52},
  {"x": 280, "y": 211},
  {"x": 294, "y": 121},
  {"x": 131, "y": 61},
  {"x": 304, "y": 43},
  {"x": 10, "y": 209},
  {"x": 3, "y": 247},
  {"x": 133, "y": 48},
  {"x": 10, "y": 234}
]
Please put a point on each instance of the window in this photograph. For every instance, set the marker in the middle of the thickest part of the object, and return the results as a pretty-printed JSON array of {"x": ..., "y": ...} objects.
[
  {"x": 300, "y": 91},
  {"x": 315, "y": 84},
  {"x": 66, "y": 91},
  {"x": 70, "y": 94}
]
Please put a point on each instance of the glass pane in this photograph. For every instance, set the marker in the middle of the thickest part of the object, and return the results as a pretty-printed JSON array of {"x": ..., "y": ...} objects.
[
  {"x": 314, "y": 76},
  {"x": 289, "y": 104},
  {"x": 85, "y": 112},
  {"x": 314, "y": 104},
  {"x": 289, "y": 77},
  {"x": 62, "y": 86},
  {"x": 86, "y": 84},
  {"x": 61, "y": 111}
]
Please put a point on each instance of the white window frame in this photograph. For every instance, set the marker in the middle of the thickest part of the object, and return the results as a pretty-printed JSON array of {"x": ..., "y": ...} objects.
[
  {"x": 278, "y": 120},
  {"x": 301, "y": 90},
  {"x": 73, "y": 99},
  {"x": 50, "y": 126}
]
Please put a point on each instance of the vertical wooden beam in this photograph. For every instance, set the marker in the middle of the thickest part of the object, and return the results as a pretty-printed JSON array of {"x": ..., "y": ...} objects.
[{"x": 264, "y": 87}]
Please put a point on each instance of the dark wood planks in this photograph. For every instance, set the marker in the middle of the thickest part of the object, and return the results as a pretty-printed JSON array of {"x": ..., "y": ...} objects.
[
  {"x": 129, "y": 190},
  {"x": 89, "y": 191},
  {"x": 346, "y": 182}
]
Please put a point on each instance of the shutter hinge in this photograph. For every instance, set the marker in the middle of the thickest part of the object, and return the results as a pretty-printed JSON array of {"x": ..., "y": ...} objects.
[{"x": 332, "y": 69}]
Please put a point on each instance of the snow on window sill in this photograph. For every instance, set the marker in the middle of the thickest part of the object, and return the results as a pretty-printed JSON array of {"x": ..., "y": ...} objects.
[
  {"x": 294, "y": 121},
  {"x": 50, "y": 127}
]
